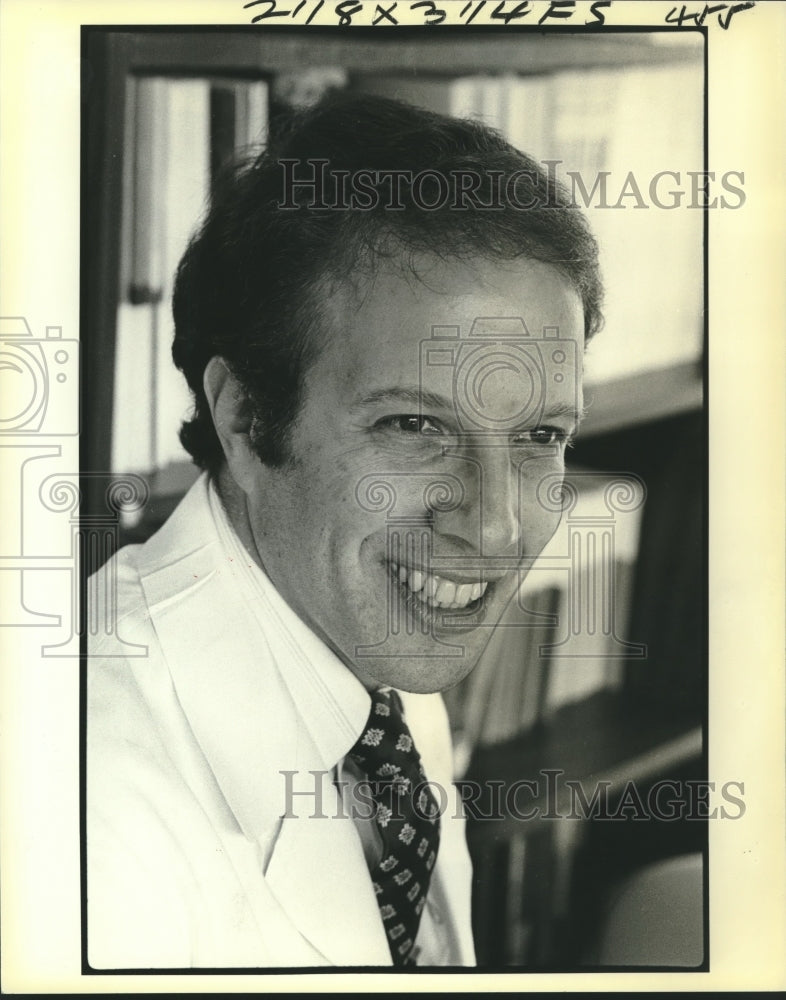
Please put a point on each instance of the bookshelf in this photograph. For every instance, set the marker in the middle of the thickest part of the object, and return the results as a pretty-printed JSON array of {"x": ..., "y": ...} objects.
[{"x": 524, "y": 708}]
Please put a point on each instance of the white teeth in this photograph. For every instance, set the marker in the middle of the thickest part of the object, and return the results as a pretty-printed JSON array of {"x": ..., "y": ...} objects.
[
  {"x": 446, "y": 593},
  {"x": 437, "y": 591}
]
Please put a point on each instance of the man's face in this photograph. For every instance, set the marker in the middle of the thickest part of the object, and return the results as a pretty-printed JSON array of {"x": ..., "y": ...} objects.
[{"x": 417, "y": 492}]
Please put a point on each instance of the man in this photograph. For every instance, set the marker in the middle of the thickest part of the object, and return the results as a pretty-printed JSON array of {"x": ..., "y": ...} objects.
[{"x": 381, "y": 321}]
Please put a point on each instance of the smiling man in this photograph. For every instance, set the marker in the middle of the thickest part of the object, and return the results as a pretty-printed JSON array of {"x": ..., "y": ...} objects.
[{"x": 382, "y": 321}]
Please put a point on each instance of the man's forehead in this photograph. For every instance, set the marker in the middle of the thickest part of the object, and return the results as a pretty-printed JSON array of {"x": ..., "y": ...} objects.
[
  {"x": 413, "y": 282},
  {"x": 420, "y": 333}
]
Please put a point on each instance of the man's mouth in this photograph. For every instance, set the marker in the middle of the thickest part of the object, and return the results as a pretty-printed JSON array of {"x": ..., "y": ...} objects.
[
  {"x": 444, "y": 606},
  {"x": 437, "y": 591}
]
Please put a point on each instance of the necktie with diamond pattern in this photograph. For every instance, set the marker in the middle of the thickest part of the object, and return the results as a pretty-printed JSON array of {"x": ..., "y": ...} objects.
[{"x": 406, "y": 817}]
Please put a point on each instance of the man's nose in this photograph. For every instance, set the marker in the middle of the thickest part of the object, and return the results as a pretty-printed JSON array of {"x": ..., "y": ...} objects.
[{"x": 489, "y": 518}]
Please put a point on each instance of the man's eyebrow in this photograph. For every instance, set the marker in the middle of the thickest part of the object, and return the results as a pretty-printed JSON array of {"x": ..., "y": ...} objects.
[
  {"x": 419, "y": 398},
  {"x": 565, "y": 410}
]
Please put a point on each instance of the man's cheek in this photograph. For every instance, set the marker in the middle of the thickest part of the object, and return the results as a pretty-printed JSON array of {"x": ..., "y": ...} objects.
[
  {"x": 539, "y": 521},
  {"x": 542, "y": 488},
  {"x": 397, "y": 496}
]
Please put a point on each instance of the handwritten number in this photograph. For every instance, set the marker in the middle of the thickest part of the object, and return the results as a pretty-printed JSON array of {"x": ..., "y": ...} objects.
[
  {"x": 679, "y": 17},
  {"x": 520, "y": 10},
  {"x": 672, "y": 17},
  {"x": 270, "y": 12},
  {"x": 346, "y": 11},
  {"x": 476, "y": 11},
  {"x": 315, "y": 11},
  {"x": 432, "y": 11}
]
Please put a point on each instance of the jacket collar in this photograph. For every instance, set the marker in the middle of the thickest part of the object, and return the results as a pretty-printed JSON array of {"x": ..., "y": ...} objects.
[{"x": 262, "y": 693}]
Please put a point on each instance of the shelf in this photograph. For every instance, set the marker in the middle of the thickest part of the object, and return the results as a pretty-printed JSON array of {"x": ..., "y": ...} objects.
[
  {"x": 603, "y": 738},
  {"x": 249, "y": 51},
  {"x": 642, "y": 398}
]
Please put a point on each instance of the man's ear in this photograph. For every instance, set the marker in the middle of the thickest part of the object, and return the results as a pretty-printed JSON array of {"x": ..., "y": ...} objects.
[{"x": 231, "y": 415}]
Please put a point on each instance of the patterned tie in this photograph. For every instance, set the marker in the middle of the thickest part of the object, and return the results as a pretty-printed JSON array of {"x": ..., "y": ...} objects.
[{"x": 407, "y": 818}]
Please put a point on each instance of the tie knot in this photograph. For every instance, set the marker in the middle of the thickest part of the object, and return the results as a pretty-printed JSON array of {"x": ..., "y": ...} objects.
[
  {"x": 386, "y": 738},
  {"x": 387, "y": 754}
]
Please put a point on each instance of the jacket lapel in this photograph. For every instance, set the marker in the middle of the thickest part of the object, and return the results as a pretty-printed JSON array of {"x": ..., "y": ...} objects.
[{"x": 318, "y": 873}]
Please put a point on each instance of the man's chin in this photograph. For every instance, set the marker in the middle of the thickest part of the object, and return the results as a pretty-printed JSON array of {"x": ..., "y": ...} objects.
[{"x": 421, "y": 673}]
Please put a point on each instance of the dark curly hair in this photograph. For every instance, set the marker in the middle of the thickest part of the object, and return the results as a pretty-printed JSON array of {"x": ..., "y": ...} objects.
[{"x": 250, "y": 285}]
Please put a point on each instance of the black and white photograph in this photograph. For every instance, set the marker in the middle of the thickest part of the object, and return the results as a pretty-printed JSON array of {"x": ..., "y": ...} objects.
[{"x": 374, "y": 488}]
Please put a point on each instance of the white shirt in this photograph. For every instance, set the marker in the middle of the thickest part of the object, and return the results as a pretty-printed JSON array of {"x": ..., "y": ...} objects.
[{"x": 196, "y": 857}]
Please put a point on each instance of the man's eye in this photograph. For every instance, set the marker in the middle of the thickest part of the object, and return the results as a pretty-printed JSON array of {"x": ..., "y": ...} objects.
[
  {"x": 543, "y": 436},
  {"x": 410, "y": 423}
]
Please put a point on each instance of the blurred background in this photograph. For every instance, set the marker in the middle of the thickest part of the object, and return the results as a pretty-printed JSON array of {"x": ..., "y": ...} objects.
[{"x": 600, "y": 673}]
